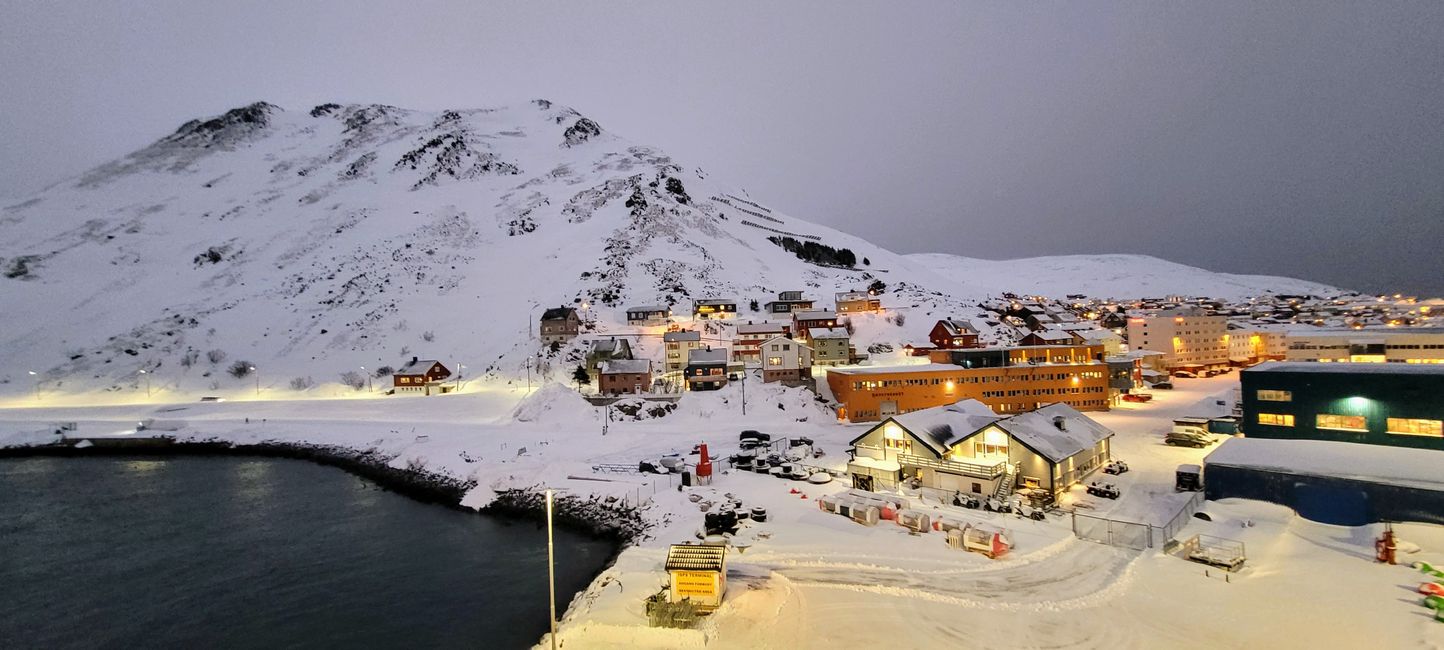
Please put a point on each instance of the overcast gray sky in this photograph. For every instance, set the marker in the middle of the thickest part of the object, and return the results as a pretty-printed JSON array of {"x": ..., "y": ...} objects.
[{"x": 1297, "y": 138}]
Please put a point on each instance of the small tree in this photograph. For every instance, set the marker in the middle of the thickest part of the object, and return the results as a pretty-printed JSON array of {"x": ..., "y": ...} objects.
[
  {"x": 385, "y": 371},
  {"x": 353, "y": 379},
  {"x": 877, "y": 287},
  {"x": 847, "y": 325},
  {"x": 866, "y": 262},
  {"x": 582, "y": 377},
  {"x": 240, "y": 369},
  {"x": 302, "y": 383},
  {"x": 753, "y": 305},
  {"x": 428, "y": 336}
]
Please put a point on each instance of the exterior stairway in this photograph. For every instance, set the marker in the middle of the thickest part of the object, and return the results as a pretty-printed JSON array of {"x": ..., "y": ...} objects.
[{"x": 1005, "y": 485}]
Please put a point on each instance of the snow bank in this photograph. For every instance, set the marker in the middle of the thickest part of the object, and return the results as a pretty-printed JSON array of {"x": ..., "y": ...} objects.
[{"x": 554, "y": 403}]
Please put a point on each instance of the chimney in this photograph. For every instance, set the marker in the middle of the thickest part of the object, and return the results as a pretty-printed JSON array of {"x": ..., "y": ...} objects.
[
  {"x": 414, "y": 359},
  {"x": 1060, "y": 422}
]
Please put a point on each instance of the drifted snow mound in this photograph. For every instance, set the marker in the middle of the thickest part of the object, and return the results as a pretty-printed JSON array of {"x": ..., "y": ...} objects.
[
  {"x": 765, "y": 402},
  {"x": 554, "y": 403}
]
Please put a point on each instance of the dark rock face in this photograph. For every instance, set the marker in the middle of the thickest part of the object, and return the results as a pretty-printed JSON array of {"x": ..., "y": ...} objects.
[
  {"x": 580, "y": 132},
  {"x": 234, "y": 124}
]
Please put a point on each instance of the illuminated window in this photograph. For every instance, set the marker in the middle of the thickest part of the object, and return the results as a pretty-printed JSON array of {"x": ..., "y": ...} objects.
[
  {"x": 903, "y": 445},
  {"x": 1276, "y": 419},
  {"x": 774, "y": 361},
  {"x": 1275, "y": 396},
  {"x": 1416, "y": 427},
  {"x": 1341, "y": 422}
]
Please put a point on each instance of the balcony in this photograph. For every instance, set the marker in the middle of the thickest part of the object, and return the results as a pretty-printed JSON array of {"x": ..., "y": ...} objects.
[{"x": 975, "y": 470}]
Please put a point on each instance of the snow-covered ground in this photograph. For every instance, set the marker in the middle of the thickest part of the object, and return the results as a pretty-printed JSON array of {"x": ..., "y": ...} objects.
[{"x": 813, "y": 579}]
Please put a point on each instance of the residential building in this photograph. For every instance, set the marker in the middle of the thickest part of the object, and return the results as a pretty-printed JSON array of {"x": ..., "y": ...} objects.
[
  {"x": 953, "y": 334},
  {"x": 786, "y": 360},
  {"x": 1047, "y": 337},
  {"x": 625, "y": 377},
  {"x": 749, "y": 337},
  {"x": 1395, "y": 404},
  {"x": 714, "y": 308},
  {"x": 677, "y": 346},
  {"x": 648, "y": 315},
  {"x": 1189, "y": 338},
  {"x": 830, "y": 346},
  {"x": 1379, "y": 345},
  {"x": 706, "y": 369},
  {"x": 806, "y": 320},
  {"x": 559, "y": 325},
  {"x": 872, "y": 393},
  {"x": 788, "y": 302},
  {"x": 609, "y": 349},
  {"x": 849, "y": 302},
  {"x": 1111, "y": 341},
  {"x": 421, "y": 375},
  {"x": 964, "y": 447}
]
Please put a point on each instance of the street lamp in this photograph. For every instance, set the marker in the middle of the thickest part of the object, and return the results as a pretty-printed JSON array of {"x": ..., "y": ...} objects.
[
  {"x": 146, "y": 376},
  {"x": 551, "y": 574},
  {"x": 35, "y": 379},
  {"x": 369, "y": 389},
  {"x": 459, "y": 367},
  {"x": 257, "y": 373}
]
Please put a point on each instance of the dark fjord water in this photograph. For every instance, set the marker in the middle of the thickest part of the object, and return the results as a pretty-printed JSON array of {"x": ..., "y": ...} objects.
[{"x": 218, "y": 552}]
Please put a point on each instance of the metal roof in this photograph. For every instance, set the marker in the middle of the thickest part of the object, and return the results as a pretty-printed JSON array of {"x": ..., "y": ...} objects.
[{"x": 696, "y": 557}]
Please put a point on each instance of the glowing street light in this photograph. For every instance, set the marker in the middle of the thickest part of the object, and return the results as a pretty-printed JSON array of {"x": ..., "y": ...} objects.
[
  {"x": 35, "y": 379},
  {"x": 257, "y": 373},
  {"x": 459, "y": 367},
  {"x": 146, "y": 376},
  {"x": 369, "y": 389}
]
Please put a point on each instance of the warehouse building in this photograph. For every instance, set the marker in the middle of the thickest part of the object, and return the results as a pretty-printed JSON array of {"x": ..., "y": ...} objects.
[
  {"x": 1394, "y": 404},
  {"x": 1330, "y": 482},
  {"x": 1423, "y": 345},
  {"x": 868, "y": 394}
]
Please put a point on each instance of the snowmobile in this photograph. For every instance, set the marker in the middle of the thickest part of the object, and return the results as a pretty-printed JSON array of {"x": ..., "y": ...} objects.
[
  {"x": 994, "y": 505},
  {"x": 968, "y": 502},
  {"x": 1116, "y": 467},
  {"x": 1106, "y": 490},
  {"x": 1030, "y": 512}
]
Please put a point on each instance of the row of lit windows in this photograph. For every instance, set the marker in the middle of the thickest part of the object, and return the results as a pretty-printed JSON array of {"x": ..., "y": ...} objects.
[
  {"x": 1275, "y": 396},
  {"x": 988, "y": 379},
  {"x": 1358, "y": 423}
]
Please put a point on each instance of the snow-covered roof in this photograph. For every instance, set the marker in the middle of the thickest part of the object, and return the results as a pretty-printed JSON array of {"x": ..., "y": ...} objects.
[
  {"x": 881, "y": 370},
  {"x": 609, "y": 346},
  {"x": 940, "y": 426},
  {"x": 852, "y": 295},
  {"x": 1376, "y": 463},
  {"x": 1053, "y": 335},
  {"x": 783, "y": 339},
  {"x": 716, "y": 355},
  {"x": 716, "y": 301},
  {"x": 827, "y": 332},
  {"x": 955, "y": 326},
  {"x": 1096, "y": 334},
  {"x": 647, "y": 308},
  {"x": 681, "y": 337},
  {"x": 1349, "y": 368},
  {"x": 625, "y": 366},
  {"x": 696, "y": 557},
  {"x": 814, "y": 315},
  {"x": 417, "y": 366},
  {"x": 1040, "y": 430},
  {"x": 759, "y": 328},
  {"x": 558, "y": 313}
]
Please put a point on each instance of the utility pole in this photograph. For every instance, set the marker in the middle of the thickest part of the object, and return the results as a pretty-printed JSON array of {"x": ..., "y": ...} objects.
[
  {"x": 744, "y": 388},
  {"x": 369, "y": 389},
  {"x": 459, "y": 367},
  {"x": 146, "y": 376},
  {"x": 551, "y": 574},
  {"x": 257, "y": 373},
  {"x": 35, "y": 379},
  {"x": 528, "y": 374}
]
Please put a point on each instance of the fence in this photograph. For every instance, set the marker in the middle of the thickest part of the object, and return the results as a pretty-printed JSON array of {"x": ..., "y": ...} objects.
[{"x": 1132, "y": 534}]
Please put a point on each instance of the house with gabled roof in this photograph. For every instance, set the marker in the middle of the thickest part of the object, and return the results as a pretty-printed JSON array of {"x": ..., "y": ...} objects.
[
  {"x": 644, "y": 315},
  {"x": 625, "y": 376},
  {"x": 953, "y": 334},
  {"x": 608, "y": 349},
  {"x": 420, "y": 376},
  {"x": 677, "y": 346},
  {"x": 559, "y": 325},
  {"x": 965, "y": 447}
]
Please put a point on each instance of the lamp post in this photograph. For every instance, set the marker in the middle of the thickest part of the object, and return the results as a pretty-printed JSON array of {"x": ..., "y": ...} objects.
[
  {"x": 369, "y": 389},
  {"x": 257, "y": 373},
  {"x": 146, "y": 376},
  {"x": 551, "y": 574},
  {"x": 35, "y": 379},
  {"x": 459, "y": 367}
]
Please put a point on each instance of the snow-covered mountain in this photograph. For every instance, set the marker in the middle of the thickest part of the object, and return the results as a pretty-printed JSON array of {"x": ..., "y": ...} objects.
[
  {"x": 1110, "y": 276},
  {"x": 311, "y": 243}
]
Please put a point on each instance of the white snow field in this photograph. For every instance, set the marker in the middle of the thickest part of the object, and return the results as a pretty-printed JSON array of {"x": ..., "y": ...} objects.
[{"x": 813, "y": 579}]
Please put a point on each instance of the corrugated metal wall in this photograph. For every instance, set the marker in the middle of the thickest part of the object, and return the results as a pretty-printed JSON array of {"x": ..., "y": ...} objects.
[{"x": 1329, "y": 500}]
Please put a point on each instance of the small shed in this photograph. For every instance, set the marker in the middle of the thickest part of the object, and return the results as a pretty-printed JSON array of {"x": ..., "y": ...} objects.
[{"x": 698, "y": 572}]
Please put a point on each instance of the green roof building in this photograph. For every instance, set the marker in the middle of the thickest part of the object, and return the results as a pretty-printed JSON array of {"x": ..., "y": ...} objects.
[{"x": 1394, "y": 404}]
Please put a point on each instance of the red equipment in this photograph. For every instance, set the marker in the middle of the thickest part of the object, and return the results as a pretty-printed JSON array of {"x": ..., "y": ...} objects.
[
  {"x": 704, "y": 466},
  {"x": 1386, "y": 546}
]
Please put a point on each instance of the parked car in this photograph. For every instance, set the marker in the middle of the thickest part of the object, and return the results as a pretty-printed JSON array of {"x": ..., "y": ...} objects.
[
  {"x": 1184, "y": 374},
  {"x": 1186, "y": 439},
  {"x": 1164, "y": 385},
  {"x": 1137, "y": 397}
]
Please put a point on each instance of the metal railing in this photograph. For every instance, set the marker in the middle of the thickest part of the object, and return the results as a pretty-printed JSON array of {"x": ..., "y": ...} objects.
[{"x": 976, "y": 470}]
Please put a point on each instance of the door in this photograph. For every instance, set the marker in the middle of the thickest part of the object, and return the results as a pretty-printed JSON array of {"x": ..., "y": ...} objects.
[
  {"x": 887, "y": 408},
  {"x": 862, "y": 482}
]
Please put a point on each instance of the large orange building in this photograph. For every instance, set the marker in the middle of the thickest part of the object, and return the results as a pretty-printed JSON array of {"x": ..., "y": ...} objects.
[{"x": 870, "y": 394}]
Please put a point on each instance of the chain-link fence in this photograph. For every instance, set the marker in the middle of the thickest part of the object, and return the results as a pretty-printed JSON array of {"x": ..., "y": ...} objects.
[{"x": 1124, "y": 534}]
